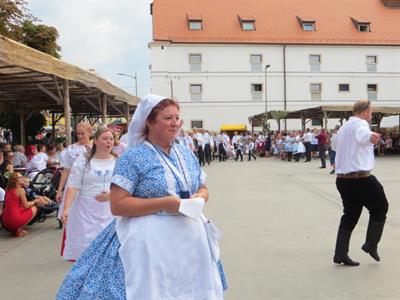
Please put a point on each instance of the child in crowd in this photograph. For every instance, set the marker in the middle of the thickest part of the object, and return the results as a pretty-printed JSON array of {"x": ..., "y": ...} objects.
[{"x": 250, "y": 148}]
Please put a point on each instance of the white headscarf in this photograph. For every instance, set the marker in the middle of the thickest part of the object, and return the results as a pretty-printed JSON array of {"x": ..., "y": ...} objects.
[{"x": 137, "y": 127}]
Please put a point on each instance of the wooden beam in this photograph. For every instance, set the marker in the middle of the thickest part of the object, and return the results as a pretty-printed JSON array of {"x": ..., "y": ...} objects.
[
  {"x": 91, "y": 104},
  {"x": 116, "y": 108},
  {"x": 50, "y": 93},
  {"x": 67, "y": 112},
  {"x": 57, "y": 86}
]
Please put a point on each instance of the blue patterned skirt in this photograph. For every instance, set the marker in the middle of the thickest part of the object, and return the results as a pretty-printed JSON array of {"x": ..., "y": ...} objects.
[{"x": 99, "y": 273}]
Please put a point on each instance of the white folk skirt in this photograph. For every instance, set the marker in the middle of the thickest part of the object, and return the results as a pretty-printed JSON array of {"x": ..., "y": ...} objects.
[{"x": 86, "y": 219}]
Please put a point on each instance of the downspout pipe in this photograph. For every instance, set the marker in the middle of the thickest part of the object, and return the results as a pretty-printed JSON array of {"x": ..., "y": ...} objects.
[{"x": 284, "y": 83}]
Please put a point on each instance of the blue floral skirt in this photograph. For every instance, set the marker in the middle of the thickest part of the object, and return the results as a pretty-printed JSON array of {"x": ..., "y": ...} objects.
[{"x": 99, "y": 273}]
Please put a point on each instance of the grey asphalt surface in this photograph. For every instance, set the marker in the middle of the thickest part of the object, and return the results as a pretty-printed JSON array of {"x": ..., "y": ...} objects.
[{"x": 279, "y": 221}]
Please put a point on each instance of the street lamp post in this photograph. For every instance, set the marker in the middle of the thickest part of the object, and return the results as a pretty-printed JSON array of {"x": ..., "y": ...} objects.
[
  {"x": 266, "y": 103},
  {"x": 131, "y": 76}
]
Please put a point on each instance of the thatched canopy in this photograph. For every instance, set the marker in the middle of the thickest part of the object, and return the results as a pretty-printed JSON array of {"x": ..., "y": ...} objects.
[
  {"x": 328, "y": 112},
  {"x": 32, "y": 81}
]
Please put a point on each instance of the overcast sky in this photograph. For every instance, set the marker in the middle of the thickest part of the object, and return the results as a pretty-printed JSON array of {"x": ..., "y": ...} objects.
[{"x": 110, "y": 36}]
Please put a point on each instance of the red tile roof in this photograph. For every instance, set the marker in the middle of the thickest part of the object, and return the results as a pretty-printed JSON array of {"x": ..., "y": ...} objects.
[{"x": 276, "y": 21}]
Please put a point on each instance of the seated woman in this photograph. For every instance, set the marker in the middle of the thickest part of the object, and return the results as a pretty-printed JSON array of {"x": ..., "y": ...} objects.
[
  {"x": 38, "y": 162},
  {"x": 151, "y": 251},
  {"x": 18, "y": 211}
]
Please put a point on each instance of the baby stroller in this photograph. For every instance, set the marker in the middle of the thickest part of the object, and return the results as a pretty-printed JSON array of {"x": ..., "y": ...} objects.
[{"x": 45, "y": 183}]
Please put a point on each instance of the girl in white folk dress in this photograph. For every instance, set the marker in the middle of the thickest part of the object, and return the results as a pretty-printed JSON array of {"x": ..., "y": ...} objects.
[{"x": 87, "y": 208}]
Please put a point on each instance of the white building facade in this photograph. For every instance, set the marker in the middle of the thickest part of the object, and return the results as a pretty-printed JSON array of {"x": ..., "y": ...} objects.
[{"x": 225, "y": 83}]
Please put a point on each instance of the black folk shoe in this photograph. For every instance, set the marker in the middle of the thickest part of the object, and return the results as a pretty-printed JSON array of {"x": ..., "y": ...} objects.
[
  {"x": 346, "y": 260},
  {"x": 373, "y": 252}
]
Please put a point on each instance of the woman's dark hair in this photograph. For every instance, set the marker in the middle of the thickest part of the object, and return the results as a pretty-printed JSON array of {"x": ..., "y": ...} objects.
[
  {"x": 156, "y": 109},
  {"x": 50, "y": 147},
  {"x": 92, "y": 152}
]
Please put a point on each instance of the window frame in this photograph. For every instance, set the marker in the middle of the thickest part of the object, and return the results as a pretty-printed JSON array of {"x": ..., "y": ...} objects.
[
  {"x": 256, "y": 95},
  {"x": 315, "y": 67},
  {"x": 193, "y": 22},
  {"x": 196, "y": 96},
  {"x": 361, "y": 25},
  {"x": 248, "y": 22},
  {"x": 191, "y": 123},
  {"x": 316, "y": 95},
  {"x": 320, "y": 87},
  {"x": 305, "y": 26},
  {"x": 344, "y": 83},
  {"x": 192, "y": 64},
  {"x": 372, "y": 92},
  {"x": 259, "y": 65}
]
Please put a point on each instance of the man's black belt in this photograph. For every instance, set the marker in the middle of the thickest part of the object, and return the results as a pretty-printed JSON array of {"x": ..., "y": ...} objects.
[{"x": 359, "y": 174}]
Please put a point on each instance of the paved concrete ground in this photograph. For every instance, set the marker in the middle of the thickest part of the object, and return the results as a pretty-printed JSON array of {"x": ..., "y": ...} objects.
[{"x": 279, "y": 221}]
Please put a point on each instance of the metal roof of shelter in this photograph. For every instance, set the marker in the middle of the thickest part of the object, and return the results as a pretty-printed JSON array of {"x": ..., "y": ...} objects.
[
  {"x": 328, "y": 112},
  {"x": 31, "y": 81}
]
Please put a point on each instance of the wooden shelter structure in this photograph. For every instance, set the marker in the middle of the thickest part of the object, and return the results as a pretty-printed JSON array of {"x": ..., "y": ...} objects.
[
  {"x": 326, "y": 112},
  {"x": 32, "y": 81}
]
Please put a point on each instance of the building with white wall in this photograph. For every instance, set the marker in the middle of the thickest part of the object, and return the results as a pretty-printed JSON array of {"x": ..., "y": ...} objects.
[{"x": 212, "y": 56}]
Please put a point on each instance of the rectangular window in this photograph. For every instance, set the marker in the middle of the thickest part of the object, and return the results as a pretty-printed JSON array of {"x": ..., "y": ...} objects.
[
  {"x": 316, "y": 122},
  {"x": 315, "y": 62},
  {"x": 196, "y": 91},
  {"x": 363, "y": 27},
  {"x": 195, "y": 25},
  {"x": 372, "y": 61},
  {"x": 372, "y": 90},
  {"x": 315, "y": 89},
  {"x": 248, "y": 25},
  {"x": 256, "y": 91},
  {"x": 196, "y": 124},
  {"x": 195, "y": 62},
  {"x": 256, "y": 62},
  {"x": 344, "y": 87},
  {"x": 308, "y": 26}
]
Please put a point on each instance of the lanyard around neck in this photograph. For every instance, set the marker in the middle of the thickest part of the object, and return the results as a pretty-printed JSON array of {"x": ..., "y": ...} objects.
[{"x": 179, "y": 174}]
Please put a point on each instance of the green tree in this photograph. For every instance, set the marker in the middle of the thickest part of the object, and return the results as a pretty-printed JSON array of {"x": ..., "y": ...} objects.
[
  {"x": 17, "y": 23},
  {"x": 41, "y": 37},
  {"x": 13, "y": 13},
  {"x": 34, "y": 125}
]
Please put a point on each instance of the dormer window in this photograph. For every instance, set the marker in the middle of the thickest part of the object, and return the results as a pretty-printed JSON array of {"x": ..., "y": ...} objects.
[
  {"x": 247, "y": 23},
  {"x": 306, "y": 23},
  {"x": 362, "y": 25},
  {"x": 195, "y": 22},
  {"x": 308, "y": 26}
]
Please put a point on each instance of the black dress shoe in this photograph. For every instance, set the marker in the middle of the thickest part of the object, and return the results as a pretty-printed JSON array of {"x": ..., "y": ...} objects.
[
  {"x": 346, "y": 260},
  {"x": 321, "y": 167}
]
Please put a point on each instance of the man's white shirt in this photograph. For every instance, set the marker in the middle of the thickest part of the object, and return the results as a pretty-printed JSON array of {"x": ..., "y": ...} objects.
[{"x": 354, "y": 151}]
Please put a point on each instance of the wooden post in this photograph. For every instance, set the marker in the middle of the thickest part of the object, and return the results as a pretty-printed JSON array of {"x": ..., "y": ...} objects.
[
  {"x": 325, "y": 120},
  {"x": 303, "y": 123},
  {"x": 22, "y": 123},
  {"x": 53, "y": 127},
  {"x": 104, "y": 109},
  {"x": 67, "y": 112},
  {"x": 127, "y": 114}
]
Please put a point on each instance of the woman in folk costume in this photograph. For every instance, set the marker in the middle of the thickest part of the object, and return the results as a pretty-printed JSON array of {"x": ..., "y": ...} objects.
[
  {"x": 160, "y": 247},
  {"x": 83, "y": 132},
  {"x": 90, "y": 178}
]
